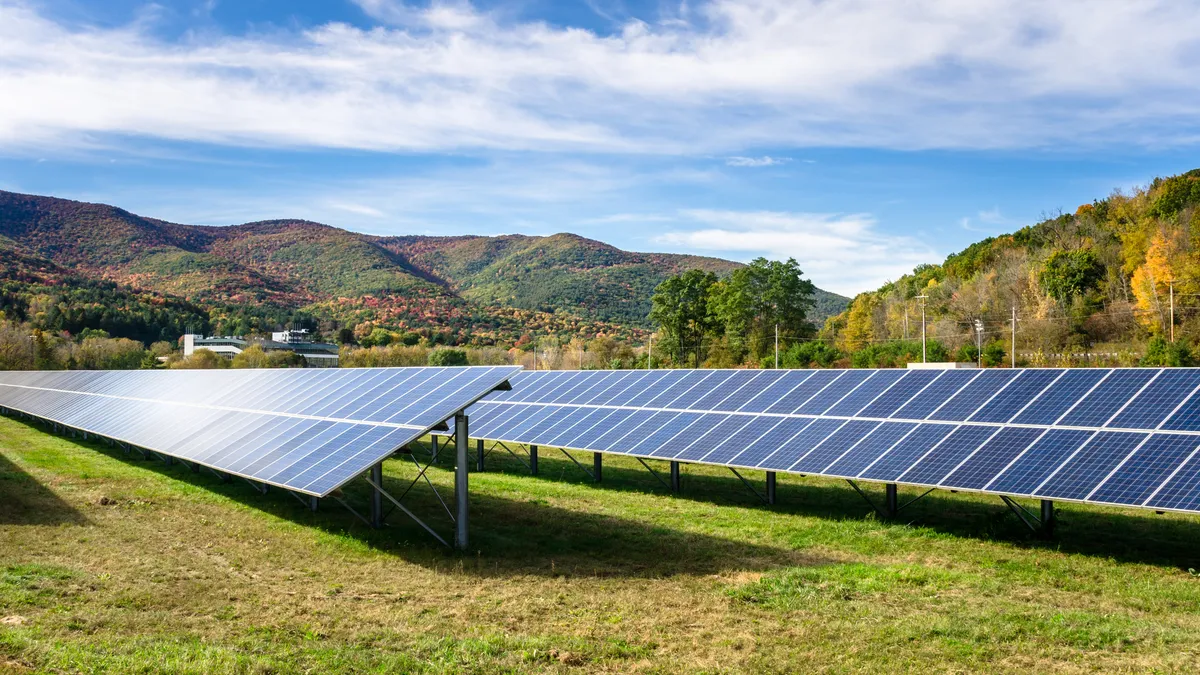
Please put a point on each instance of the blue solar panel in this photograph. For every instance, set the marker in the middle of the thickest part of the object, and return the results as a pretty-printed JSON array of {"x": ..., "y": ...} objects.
[
  {"x": 1146, "y": 469},
  {"x": 770, "y": 442},
  {"x": 653, "y": 385},
  {"x": 799, "y": 393},
  {"x": 523, "y": 419},
  {"x": 1016, "y": 396},
  {"x": 1090, "y": 465},
  {"x": 848, "y": 439},
  {"x": 675, "y": 385},
  {"x": 945, "y": 456},
  {"x": 689, "y": 435},
  {"x": 620, "y": 419},
  {"x": 728, "y": 428},
  {"x": 900, "y": 393},
  {"x": 757, "y": 434},
  {"x": 897, "y": 459},
  {"x": 1107, "y": 398},
  {"x": 1039, "y": 461},
  {"x": 1181, "y": 491},
  {"x": 869, "y": 449},
  {"x": 736, "y": 390},
  {"x": 867, "y": 392},
  {"x": 553, "y": 426},
  {"x": 936, "y": 394},
  {"x": 1061, "y": 396},
  {"x": 617, "y": 387},
  {"x": 979, "y": 470},
  {"x": 973, "y": 396},
  {"x": 714, "y": 382},
  {"x": 829, "y": 396},
  {"x": 1158, "y": 400},
  {"x": 791, "y": 451},
  {"x": 665, "y": 432},
  {"x": 566, "y": 435},
  {"x": 639, "y": 426},
  {"x": 581, "y": 386},
  {"x": 834, "y": 446}
]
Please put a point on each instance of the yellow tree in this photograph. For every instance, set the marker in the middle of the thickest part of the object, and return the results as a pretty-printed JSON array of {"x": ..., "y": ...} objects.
[
  {"x": 1151, "y": 284},
  {"x": 860, "y": 323}
]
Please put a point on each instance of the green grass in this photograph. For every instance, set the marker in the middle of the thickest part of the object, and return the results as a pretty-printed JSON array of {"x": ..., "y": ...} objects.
[{"x": 113, "y": 564}]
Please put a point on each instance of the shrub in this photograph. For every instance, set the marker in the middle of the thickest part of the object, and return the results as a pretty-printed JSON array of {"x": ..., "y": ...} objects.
[{"x": 447, "y": 357}]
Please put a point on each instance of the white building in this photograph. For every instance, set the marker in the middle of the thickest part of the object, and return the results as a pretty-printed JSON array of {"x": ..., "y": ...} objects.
[{"x": 316, "y": 354}]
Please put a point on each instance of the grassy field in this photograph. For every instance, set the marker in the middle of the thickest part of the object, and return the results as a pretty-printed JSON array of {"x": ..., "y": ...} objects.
[{"x": 117, "y": 564}]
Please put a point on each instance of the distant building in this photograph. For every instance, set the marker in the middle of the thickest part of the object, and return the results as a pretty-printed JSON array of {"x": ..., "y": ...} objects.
[{"x": 316, "y": 354}]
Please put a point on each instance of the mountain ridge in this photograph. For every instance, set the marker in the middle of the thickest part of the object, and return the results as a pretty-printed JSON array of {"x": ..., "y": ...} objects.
[{"x": 463, "y": 289}]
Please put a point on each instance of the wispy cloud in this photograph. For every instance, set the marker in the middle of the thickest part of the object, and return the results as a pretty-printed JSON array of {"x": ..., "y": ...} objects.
[
  {"x": 360, "y": 209},
  {"x": 988, "y": 220},
  {"x": 845, "y": 253},
  {"x": 755, "y": 162},
  {"x": 713, "y": 77}
]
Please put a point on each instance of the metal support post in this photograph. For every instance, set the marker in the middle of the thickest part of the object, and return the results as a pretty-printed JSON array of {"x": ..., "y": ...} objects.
[
  {"x": 460, "y": 482},
  {"x": 195, "y": 468},
  {"x": 1048, "y": 517},
  {"x": 597, "y": 465},
  {"x": 891, "y": 503},
  {"x": 434, "y": 440},
  {"x": 377, "y": 496},
  {"x": 479, "y": 455},
  {"x": 533, "y": 467},
  {"x": 313, "y": 503},
  {"x": 771, "y": 488},
  {"x": 674, "y": 476}
]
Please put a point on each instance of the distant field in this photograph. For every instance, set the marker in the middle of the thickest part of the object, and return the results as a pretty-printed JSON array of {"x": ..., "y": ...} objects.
[{"x": 115, "y": 564}]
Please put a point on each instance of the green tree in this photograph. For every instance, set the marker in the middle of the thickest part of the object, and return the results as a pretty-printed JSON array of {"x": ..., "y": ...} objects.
[
  {"x": 680, "y": 306},
  {"x": 756, "y": 298},
  {"x": 447, "y": 357},
  {"x": 202, "y": 359},
  {"x": 1067, "y": 274},
  {"x": 1159, "y": 352}
]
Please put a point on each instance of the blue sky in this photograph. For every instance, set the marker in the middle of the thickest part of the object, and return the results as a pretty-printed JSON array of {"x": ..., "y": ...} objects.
[{"x": 861, "y": 137}]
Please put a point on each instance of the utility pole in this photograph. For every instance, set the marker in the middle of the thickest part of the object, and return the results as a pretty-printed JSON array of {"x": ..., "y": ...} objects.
[
  {"x": 906, "y": 322},
  {"x": 776, "y": 346},
  {"x": 650, "y": 353},
  {"x": 1172, "y": 283},
  {"x": 922, "y": 299},
  {"x": 979, "y": 342},
  {"x": 1014, "y": 337}
]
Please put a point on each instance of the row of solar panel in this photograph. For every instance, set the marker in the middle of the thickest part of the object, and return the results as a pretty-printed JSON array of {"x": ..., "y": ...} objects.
[
  {"x": 1133, "y": 398},
  {"x": 1127, "y": 468},
  {"x": 409, "y": 396},
  {"x": 296, "y": 429}
]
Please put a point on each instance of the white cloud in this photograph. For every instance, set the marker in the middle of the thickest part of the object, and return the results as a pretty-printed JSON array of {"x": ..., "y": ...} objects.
[
  {"x": 843, "y": 253},
  {"x": 359, "y": 209},
  {"x": 755, "y": 162},
  {"x": 711, "y": 77}
]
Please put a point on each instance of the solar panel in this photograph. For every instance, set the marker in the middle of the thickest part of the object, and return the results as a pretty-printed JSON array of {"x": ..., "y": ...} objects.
[
  {"x": 1114, "y": 436},
  {"x": 309, "y": 431}
]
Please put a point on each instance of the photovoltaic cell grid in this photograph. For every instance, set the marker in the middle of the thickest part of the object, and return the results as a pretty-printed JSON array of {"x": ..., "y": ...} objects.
[
  {"x": 1126, "y": 436},
  {"x": 310, "y": 431}
]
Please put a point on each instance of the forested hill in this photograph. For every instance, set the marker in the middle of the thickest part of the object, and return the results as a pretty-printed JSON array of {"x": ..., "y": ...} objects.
[
  {"x": 258, "y": 275},
  {"x": 1095, "y": 283}
]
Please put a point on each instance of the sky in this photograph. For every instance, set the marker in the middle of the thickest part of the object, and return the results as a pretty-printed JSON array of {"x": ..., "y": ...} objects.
[{"x": 861, "y": 137}]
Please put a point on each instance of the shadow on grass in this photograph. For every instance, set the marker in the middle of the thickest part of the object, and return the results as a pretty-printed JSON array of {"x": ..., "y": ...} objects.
[
  {"x": 1128, "y": 535},
  {"x": 529, "y": 536},
  {"x": 25, "y": 501},
  {"x": 508, "y": 536}
]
